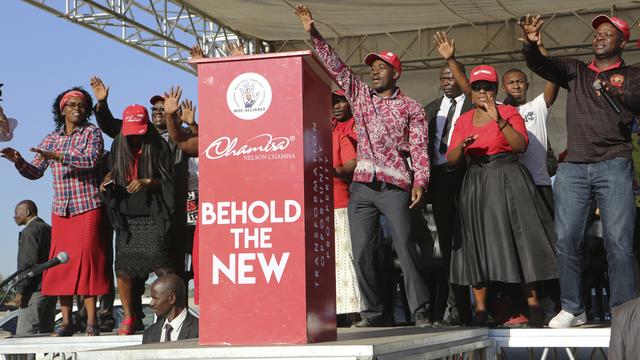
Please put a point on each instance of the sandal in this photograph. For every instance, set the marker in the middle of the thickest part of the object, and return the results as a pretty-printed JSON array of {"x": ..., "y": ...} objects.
[
  {"x": 63, "y": 330},
  {"x": 92, "y": 330},
  {"x": 127, "y": 326}
]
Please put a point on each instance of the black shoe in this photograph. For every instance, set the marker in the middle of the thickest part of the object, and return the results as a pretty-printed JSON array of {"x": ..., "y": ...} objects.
[
  {"x": 422, "y": 318},
  {"x": 483, "y": 319},
  {"x": 447, "y": 323},
  {"x": 378, "y": 321}
]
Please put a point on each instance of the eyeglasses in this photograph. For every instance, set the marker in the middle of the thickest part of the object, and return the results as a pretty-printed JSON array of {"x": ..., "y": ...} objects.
[
  {"x": 74, "y": 105},
  {"x": 157, "y": 109},
  {"x": 485, "y": 87}
]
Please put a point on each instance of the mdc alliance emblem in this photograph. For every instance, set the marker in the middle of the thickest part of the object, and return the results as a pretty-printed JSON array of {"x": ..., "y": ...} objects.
[{"x": 249, "y": 96}]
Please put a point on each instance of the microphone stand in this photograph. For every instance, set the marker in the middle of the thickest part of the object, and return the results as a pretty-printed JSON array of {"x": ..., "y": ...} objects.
[{"x": 11, "y": 277}]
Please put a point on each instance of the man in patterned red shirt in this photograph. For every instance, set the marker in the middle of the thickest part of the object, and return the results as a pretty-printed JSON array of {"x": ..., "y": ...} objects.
[{"x": 391, "y": 175}]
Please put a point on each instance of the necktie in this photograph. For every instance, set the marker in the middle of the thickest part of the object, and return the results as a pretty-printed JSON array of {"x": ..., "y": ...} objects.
[
  {"x": 447, "y": 125},
  {"x": 167, "y": 332}
]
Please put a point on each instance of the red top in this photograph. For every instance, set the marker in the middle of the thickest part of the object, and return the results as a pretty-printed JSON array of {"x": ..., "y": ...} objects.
[
  {"x": 134, "y": 167},
  {"x": 490, "y": 139},
  {"x": 343, "y": 150}
]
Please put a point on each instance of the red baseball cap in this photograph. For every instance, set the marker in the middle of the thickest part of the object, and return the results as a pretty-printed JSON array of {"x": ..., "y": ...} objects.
[
  {"x": 483, "y": 73},
  {"x": 386, "y": 56},
  {"x": 615, "y": 21},
  {"x": 135, "y": 119},
  {"x": 155, "y": 98}
]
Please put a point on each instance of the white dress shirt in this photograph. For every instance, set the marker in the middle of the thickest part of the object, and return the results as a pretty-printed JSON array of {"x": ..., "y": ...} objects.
[
  {"x": 176, "y": 325},
  {"x": 440, "y": 120}
]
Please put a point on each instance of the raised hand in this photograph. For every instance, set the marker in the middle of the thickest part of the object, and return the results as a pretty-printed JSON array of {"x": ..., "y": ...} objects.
[
  {"x": 531, "y": 26},
  {"x": 100, "y": 91},
  {"x": 48, "y": 155},
  {"x": 172, "y": 100},
  {"x": 490, "y": 107},
  {"x": 12, "y": 155},
  {"x": 236, "y": 49},
  {"x": 196, "y": 52},
  {"x": 305, "y": 17},
  {"x": 446, "y": 48},
  {"x": 188, "y": 115}
]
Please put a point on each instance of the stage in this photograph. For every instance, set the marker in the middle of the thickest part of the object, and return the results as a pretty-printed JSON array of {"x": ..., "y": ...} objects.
[{"x": 374, "y": 343}]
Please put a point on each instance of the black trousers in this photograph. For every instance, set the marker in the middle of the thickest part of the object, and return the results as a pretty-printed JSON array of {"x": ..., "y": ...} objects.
[
  {"x": 443, "y": 193},
  {"x": 367, "y": 202}
]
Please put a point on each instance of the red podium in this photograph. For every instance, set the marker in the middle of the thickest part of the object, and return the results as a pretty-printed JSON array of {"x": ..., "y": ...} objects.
[{"x": 267, "y": 270}]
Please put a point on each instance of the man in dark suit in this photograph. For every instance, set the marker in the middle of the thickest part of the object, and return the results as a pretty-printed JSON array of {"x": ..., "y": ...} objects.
[
  {"x": 625, "y": 331},
  {"x": 36, "y": 311},
  {"x": 442, "y": 194},
  {"x": 174, "y": 320}
]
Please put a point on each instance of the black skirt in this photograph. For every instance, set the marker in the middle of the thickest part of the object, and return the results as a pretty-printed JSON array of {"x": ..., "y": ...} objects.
[
  {"x": 144, "y": 251},
  {"x": 507, "y": 231}
]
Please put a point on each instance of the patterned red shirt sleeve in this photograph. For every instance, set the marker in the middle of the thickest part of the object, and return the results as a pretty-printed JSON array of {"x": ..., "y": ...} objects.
[
  {"x": 37, "y": 167},
  {"x": 418, "y": 138},
  {"x": 339, "y": 71},
  {"x": 88, "y": 157}
]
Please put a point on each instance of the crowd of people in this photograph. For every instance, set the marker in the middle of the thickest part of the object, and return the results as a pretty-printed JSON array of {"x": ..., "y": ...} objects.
[
  {"x": 484, "y": 166},
  {"x": 503, "y": 226},
  {"x": 139, "y": 191}
]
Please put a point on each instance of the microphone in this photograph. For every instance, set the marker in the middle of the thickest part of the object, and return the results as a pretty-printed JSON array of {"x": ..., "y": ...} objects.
[
  {"x": 612, "y": 103},
  {"x": 61, "y": 258}
]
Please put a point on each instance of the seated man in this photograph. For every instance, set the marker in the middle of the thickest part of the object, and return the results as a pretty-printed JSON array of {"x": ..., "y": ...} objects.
[{"x": 168, "y": 302}]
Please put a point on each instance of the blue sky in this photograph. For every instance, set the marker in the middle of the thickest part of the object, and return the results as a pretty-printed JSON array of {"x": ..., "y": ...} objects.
[{"x": 43, "y": 55}]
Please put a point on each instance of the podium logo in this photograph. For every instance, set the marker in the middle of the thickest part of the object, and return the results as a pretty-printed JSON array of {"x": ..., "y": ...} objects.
[
  {"x": 249, "y": 96},
  {"x": 258, "y": 145}
]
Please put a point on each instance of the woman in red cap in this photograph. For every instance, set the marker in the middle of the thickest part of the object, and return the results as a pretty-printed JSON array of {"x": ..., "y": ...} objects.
[
  {"x": 140, "y": 198},
  {"x": 73, "y": 151},
  {"x": 507, "y": 230}
]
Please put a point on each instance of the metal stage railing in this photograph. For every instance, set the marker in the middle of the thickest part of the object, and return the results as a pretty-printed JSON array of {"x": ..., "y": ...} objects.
[{"x": 376, "y": 343}]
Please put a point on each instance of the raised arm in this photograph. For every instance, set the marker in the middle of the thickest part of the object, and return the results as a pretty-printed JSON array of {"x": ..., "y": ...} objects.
[
  {"x": 338, "y": 70},
  {"x": 447, "y": 50},
  {"x": 32, "y": 171},
  {"x": 185, "y": 142},
  {"x": 107, "y": 123},
  {"x": 546, "y": 67},
  {"x": 188, "y": 116},
  {"x": 551, "y": 89}
]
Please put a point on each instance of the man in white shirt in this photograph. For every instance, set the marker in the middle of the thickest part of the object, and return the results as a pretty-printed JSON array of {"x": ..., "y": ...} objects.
[
  {"x": 535, "y": 114},
  {"x": 7, "y": 125},
  {"x": 174, "y": 320}
]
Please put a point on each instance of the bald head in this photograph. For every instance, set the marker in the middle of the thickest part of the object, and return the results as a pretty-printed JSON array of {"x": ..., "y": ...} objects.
[
  {"x": 29, "y": 205},
  {"x": 25, "y": 210},
  {"x": 168, "y": 296}
]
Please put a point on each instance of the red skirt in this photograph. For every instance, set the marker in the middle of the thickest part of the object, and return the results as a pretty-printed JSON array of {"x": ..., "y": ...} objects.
[{"x": 83, "y": 238}]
